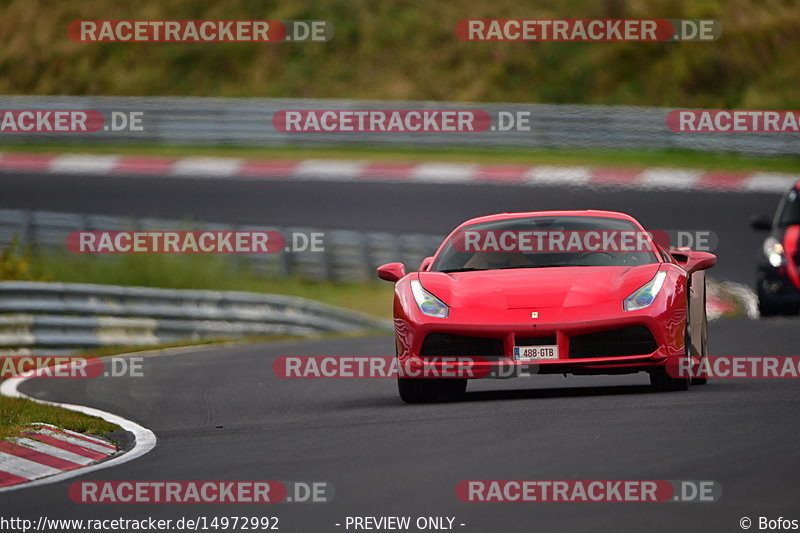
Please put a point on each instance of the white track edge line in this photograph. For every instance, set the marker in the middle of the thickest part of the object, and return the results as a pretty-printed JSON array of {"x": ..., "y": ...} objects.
[{"x": 144, "y": 439}]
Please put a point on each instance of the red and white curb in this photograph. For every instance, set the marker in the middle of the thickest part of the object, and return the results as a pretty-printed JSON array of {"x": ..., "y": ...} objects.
[
  {"x": 48, "y": 454},
  {"x": 419, "y": 172},
  {"x": 43, "y": 450}
]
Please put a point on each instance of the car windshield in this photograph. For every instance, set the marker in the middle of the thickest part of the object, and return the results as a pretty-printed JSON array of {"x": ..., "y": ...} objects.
[
  {"x": 790, "y": 214},
  {"x": 545, "y": 241}
]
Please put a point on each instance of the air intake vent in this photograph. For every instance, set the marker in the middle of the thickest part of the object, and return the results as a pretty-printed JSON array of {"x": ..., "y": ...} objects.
[
  {"x": 633, "y": 340},
  {"x": 441, "y": 344}
]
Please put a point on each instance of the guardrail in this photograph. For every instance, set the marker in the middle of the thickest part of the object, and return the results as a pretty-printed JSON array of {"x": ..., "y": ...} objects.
[
  {"x": 248, "y": 122},
  {"x": 347, "y": 256},
  {"x": 57, "y": 318}
]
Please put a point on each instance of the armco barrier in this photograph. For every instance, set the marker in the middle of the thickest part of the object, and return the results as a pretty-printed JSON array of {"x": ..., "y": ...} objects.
[
  {"x": 347, "y": 255},
  {"x": 248, "y": 122},
  {"x": 52, "y": 318}
]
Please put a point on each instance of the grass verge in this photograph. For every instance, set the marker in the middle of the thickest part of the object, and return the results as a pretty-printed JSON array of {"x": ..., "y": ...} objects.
[
  {"x": 18, "y": 413},
  {"x": 522, "y": 156}
]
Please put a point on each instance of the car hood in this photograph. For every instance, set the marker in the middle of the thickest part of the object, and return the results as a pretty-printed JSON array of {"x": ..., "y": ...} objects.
[{"x": 536, "y": 287}]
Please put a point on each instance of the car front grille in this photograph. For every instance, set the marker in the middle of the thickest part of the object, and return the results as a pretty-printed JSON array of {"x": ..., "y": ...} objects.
[
  {"x": 442, "y": 344},
  {"x": 633, "y": 340}
]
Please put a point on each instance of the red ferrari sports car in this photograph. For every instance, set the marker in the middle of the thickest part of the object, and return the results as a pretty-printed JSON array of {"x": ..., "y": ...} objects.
[{"x": 580, "y": 292}]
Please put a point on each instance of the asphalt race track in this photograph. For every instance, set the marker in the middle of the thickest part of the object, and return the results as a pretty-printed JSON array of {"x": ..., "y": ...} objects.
[{"x": 387, "y": 458}]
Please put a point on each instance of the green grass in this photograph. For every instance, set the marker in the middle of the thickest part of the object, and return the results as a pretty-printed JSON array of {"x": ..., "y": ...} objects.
[
  {"x": 17, "y": 413},
  {"x": 588, "y": 157}
]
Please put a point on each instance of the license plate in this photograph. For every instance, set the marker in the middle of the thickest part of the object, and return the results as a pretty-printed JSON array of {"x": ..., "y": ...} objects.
[{"x": 530, "y": 353}]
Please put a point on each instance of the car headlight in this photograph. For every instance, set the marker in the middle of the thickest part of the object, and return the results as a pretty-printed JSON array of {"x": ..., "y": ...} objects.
[
  {"x": 773, "y": 251},
  {"x": 646, "y": 294},
  {"x": 428, "y": 303}
]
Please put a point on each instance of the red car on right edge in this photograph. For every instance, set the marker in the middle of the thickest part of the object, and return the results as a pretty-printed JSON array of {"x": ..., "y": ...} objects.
[{"x": 777, "y": 274}]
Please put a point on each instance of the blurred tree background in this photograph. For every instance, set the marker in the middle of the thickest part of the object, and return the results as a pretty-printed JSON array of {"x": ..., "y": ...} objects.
[{"x": 407, "y": 49}]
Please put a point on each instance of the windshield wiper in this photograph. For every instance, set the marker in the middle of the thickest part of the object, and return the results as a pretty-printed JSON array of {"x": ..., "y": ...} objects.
[{"x": 466, "y": 269}]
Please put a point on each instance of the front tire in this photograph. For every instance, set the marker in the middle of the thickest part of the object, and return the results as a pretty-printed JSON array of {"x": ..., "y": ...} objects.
[{"x": 661, "y": 381}]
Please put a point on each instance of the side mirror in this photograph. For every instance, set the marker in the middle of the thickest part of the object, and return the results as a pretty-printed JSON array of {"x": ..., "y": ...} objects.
[
  {"x": 760, "y": 222},
  {"x": 391, "y": 271},
  {"x": 693, "y": 261},
  {"x": 426, "y": 263}
]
